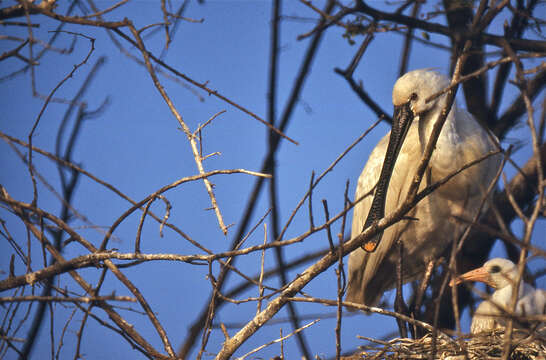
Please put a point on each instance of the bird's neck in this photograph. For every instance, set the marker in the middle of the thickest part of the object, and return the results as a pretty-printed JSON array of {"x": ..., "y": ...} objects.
[
  {"x": 504, "y": 295},
  {"x": 446, "y": 143}
]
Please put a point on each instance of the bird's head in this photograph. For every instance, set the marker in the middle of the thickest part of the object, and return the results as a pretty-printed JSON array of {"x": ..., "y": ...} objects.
[
  {"x": 497, "y": 273},
  {"x": 415, "y": 87}
]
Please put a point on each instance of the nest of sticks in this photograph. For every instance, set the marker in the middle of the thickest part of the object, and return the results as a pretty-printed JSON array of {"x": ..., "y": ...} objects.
[{"x": 524, "y": 346}]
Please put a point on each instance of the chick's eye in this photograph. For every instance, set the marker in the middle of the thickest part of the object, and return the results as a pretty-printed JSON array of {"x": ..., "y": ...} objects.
[
  {"x": 413, "y": 97},
  {"x": 495, "y": 269}
]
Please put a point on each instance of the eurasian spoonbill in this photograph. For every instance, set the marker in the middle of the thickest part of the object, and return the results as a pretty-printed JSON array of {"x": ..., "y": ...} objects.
[{"x": 431, "y": 225}]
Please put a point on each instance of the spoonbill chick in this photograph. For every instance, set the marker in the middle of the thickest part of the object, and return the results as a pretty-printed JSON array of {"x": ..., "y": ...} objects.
[{"x": 501, "y": 275}]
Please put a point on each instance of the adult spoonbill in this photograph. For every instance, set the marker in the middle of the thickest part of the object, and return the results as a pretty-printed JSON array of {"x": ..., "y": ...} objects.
[
  {"x": 432, "y": 225},
  {"x": 501, "y": 275}
]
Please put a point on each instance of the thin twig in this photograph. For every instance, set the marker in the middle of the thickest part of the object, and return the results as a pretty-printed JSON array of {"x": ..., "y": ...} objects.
[
  {"x": 261, "y": 279},
  {"x": 278, "y": 340},
  {"x": 182, "y": 123}
]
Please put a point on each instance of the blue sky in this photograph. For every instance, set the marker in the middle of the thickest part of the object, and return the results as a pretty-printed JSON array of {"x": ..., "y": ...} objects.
[{"x": 136, "y": 145}]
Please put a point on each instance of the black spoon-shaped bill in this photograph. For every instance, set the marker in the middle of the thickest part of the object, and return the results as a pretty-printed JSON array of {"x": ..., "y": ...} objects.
[{"x": 403, "y": 116}]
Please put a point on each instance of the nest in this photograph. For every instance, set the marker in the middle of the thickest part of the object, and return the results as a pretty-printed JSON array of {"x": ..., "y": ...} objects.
[{"x": 524, "y": 346}]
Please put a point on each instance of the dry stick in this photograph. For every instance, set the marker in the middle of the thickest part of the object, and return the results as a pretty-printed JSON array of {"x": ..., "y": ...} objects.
[
  {"x": 529, "y": 223},
  {"x": 91, "y": 260},
  {"x": 6, "y": 344},
  {"x": 304, "y": 259},
  {"x": 73, "y": 166},
  {"x": 216, "y": 291},
  {"x": 275, "y": 305},
  {"x": 46, "y": 103},
  {"x": 143, "y": 303},
  {"x": 283, "y": 277},
  {"x": 197, "y": 326},
  {"x": 46, "y": 47},
  {"x": 141, "y": 223},
  {"x": 509, "y": 238},
  {"x": 310, "y": 202},
  {"x": 450, "y": 98},
  {"x": 107, "y": 10},
  {"x": 204, "y": 87},
  {"x": 452, "y": 266},
  {"x": 340, "y": 294},
  {"x": 479, "y": 22},
  {"x": 8, "y": 321},
  {"x": 311, "y": 272},
  {"x": 519, "y": 23},
  {"x": 11, "y": 139},
  {"x": 272, "y": 144},
  {"x": 375, "y": 310},
  {"x": 168, "y": 208},
  {"x": 86, "y": 315},
  {"x": 260, "y": 281},
  {"x": 282, "y": 344},
  {"x": 242, "y": 301},
  {"x": 513, "y": 201},
  {"x": 474, "y": 90},
  {"x": 510, "y": 117},
  {"x": 281, "y": 339},
  {"x": 35, "y": 9},
  {"x": 15, "y": 52},
  {"x": 164, "y": 73},
  {"x": 456, "y": 77},
  {"x": 51, "y": 327},
  {"x": 111, "y": 266},
  {"x": 210, "y": 314},
  {"x": 166, "y": 21},
  {"x": 456, "y": 248},
  {"x": 84, "y": 299},
  {"x": 120, "y": 321},
  {"x": 106, "y": 325},
  {"x": 185, "y": 127},
  {"x": 285, "y": 320},
  {"x": 408, "y": 40},
  {"x": 37, "y": 321},
  {"x": 358, "y": 87},
  {"x": 175, "y": 24},
  {"x": 488, "y": 66},
  {"x": 63, "y": 332},
  {"x": 315, "y": 269},
  {"x": 428, "y": 43},
  {"x": 470, "y": 34},
  {"x": 201, "y": 127},
  {"x": 494, "y": 209},
  {"x": 340, "y": 274},
  {"x": 530, "y": 118},
  {"x": 326, "y": 20},
  {"x": 323, "y": 174},
  {"x": 31, "y": 56},
  {"x": 421, "y": 292},
  {"x": 328, "y": 231},
  {"x": 542, "y": 123},
  {"x": 81, "y": 116},
  {"x": 138, "y": 205}
]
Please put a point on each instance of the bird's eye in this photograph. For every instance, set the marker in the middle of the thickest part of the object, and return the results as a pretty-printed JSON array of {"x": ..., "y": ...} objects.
[
  {"x": 413, "y": 97},
  {"x": 495, "y": 269}
]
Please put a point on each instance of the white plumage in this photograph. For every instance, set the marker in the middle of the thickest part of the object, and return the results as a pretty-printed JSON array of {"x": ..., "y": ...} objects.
[
  {"x": 461, "y": 141},
  {"x": 501, "y": 275}
]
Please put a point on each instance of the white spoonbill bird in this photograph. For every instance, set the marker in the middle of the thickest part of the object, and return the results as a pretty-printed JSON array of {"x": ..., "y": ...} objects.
[
  {"x": 432, "y": 225},
  {"x": 501, "y": 275}
]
